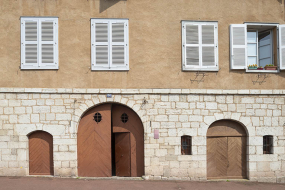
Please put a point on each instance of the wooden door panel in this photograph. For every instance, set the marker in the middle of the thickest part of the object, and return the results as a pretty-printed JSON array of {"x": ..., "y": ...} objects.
[
  {"x": 122, "y": 154},
  {"x": 237, "y": 157},
  {"x": 40, "y": 153},
  {"x": 135, "y": 128},
  {"x": 217, "y": 157},
  {"x": 94, "y": 143}
]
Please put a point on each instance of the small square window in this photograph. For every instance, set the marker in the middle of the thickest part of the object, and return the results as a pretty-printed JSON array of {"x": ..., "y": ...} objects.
[
  {"x": 199, "y": 46},
  {"x": 109, "y": 44}
]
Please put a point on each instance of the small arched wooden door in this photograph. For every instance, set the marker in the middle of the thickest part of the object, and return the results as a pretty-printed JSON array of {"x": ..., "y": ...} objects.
[
  {"x": 110, "y": 142},
  {"x": 40, "y": 153},
  {"x": 226, "y": 150}
]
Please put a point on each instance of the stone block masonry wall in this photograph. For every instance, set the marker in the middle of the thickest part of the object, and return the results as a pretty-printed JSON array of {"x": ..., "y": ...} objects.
[{"x": 174, "y": 112}]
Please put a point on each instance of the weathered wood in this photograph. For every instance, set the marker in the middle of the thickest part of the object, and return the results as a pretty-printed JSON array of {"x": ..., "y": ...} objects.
[
  {"x": 40, "y": 153},
  {"x": 94, "y": 143},
  {"x": 122, "y": 154},
  {"x": 226, "y": 128}
]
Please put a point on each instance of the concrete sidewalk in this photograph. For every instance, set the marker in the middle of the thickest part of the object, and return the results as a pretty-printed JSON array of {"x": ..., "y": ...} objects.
[{"x": 49, "y": 183}]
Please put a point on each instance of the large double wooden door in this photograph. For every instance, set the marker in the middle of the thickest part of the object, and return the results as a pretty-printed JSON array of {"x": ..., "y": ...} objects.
[
  {"x": 226, "y": 154},
  {"x": 110, "y": 142}
]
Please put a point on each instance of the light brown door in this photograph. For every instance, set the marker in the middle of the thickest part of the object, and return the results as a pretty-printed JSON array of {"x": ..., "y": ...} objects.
[
  {"x": 126, "y": 120},
  {"x": 217, "y": 157},
  {"x": 122, "y": 154},
  {"x": 236, "y": 157},
  {"x": 94, "y": 143},
  {"x": 40, "y": 153}
]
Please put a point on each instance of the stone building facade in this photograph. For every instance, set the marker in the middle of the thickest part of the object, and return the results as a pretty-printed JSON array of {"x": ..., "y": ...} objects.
[{"x": 174, "y": 112}]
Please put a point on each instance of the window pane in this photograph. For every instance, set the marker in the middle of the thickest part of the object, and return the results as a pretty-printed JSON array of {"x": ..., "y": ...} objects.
[
  {"x": 192, "y": 34},
  {"x": 207, "y": 34},
  {"x": 31, "y": 30},
  {"x": 251, "y": 60},
  {"x": 47, "y": 53},
  {"x": 47, "y": 31},
  {"x": 102, "y": 55},
  {"x": 251, "y": 50},
  {"x": 118, "y": 32},
  {"x": 101, "y": 30},
  {"x": 192, "y": 56},
  {"x": 251, "y": 37},
  {"x": 118, "y": 55},
  {"x": 31, "y": 53}
]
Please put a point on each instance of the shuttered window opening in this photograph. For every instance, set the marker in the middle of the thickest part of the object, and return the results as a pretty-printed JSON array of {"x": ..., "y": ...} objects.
[
  {"x": 200, "y": 46},
  {"x": 268, "y": 144},
  {"x": 39, "y": 43},
  {"x": 109, "y": 44},
  {"x": 257, "y": 44},
  {"x": 186, "y": 145}
]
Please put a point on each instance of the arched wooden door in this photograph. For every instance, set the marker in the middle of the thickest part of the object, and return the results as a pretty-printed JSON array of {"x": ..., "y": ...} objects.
[
  {"x": 40, "y": 153},
  {"x": 112, "y": 145},
  {"x": 226, "y": 151}
]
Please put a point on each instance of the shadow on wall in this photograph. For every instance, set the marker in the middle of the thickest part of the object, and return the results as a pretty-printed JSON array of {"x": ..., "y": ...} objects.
[{"x": 105, "y": 4}]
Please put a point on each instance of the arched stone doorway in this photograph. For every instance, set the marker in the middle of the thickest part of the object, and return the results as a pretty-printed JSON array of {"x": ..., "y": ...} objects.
[
  {"x": 226, "y": 150},
  {"x": 110, "y": 142},
  {"x": 40, "y": 153}
]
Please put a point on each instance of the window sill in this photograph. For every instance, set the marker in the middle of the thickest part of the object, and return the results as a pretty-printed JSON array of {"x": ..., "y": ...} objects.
[
  {"x": 201, "y": 69},
  {"x": 262, "y": 71},
  {"x": 109, "y": 69}
]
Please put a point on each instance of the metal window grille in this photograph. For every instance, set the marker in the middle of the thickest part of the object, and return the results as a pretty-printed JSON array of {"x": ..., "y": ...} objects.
[
  {"x": 124, "y": 118},
  {"x": 97, "y": 117},
  {"x": 186, "y": 145},
  {"x": 267, "y": 144}
]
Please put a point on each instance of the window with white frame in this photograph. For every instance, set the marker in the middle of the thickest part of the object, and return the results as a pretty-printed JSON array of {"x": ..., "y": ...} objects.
[
  {"x": 39, "y": 43},
  {"x": 109, "y": 44},
  {"x": 257, "y": 45},
  {"x": 199, "y": 46}
]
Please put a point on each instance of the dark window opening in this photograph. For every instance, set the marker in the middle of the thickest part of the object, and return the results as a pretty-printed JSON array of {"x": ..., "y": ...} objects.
[
  {"x": 97, "y": 117},
  {"x": 268, "y": 144},
  {"x": 186, "y": 145},
  {"x": 124, "y": 118}
]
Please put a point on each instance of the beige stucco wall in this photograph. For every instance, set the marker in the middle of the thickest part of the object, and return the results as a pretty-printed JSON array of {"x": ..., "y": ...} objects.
[{"x": 155, "y": 42}]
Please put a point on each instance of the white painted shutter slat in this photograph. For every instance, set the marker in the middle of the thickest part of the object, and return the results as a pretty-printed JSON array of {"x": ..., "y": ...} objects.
[
  {"x": 31, "y": 53},
  {"x": 31, "y": 31},
  {"x": 101, "y": 51},
  {"x": 282, "y": 46},
  {"x": 192, "y": 39},
  {"x": 238, "y": 43},
  {"x": 208, "y": 52},
  {"x": 118, "y": 44},
  {"x": 31, "y": 36},
  {"x": 47, "y": 43}
]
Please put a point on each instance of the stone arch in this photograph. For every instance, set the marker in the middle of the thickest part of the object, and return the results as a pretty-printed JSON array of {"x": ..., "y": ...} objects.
[{"x": 237, "y": 126}]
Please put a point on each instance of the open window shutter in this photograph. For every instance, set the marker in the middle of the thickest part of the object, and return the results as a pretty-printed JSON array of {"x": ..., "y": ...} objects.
[
  {"x": 282, "y": 46},
  {"x": 238, "y": 43},
  {"x": 48, "y": 43},
  {"x": 29, "y": 49},
  {"x": 119, "y": 44},
  {"x": 208, "y": 45},
  {"x": 191, "y": 45}
]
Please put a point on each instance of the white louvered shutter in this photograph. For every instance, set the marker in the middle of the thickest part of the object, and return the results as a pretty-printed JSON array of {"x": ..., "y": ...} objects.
[
  {"x": 191, "y": 45},
  {"x": 118, "y": 44},
  {"x": 282, "y": 46},
  {"x": 39, "y": 43},
  {"x": 109, "y": 39},
  {"x": 238, "y": 46},
  {"x": 48, "y": 43},
  {"x": 29, "y": 43},
  {"x": 200, "y": 46},
  {"x": 209, "y": 45}
]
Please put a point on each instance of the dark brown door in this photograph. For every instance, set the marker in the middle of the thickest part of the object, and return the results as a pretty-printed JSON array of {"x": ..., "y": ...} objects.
[
  {"x": 126, "y": 120},
  {"x": 122, "y": 154},
  {"x": 94, "y": 143},
  {"x": 40, "y": 153},
  {"x": 236, "y": 157}
]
